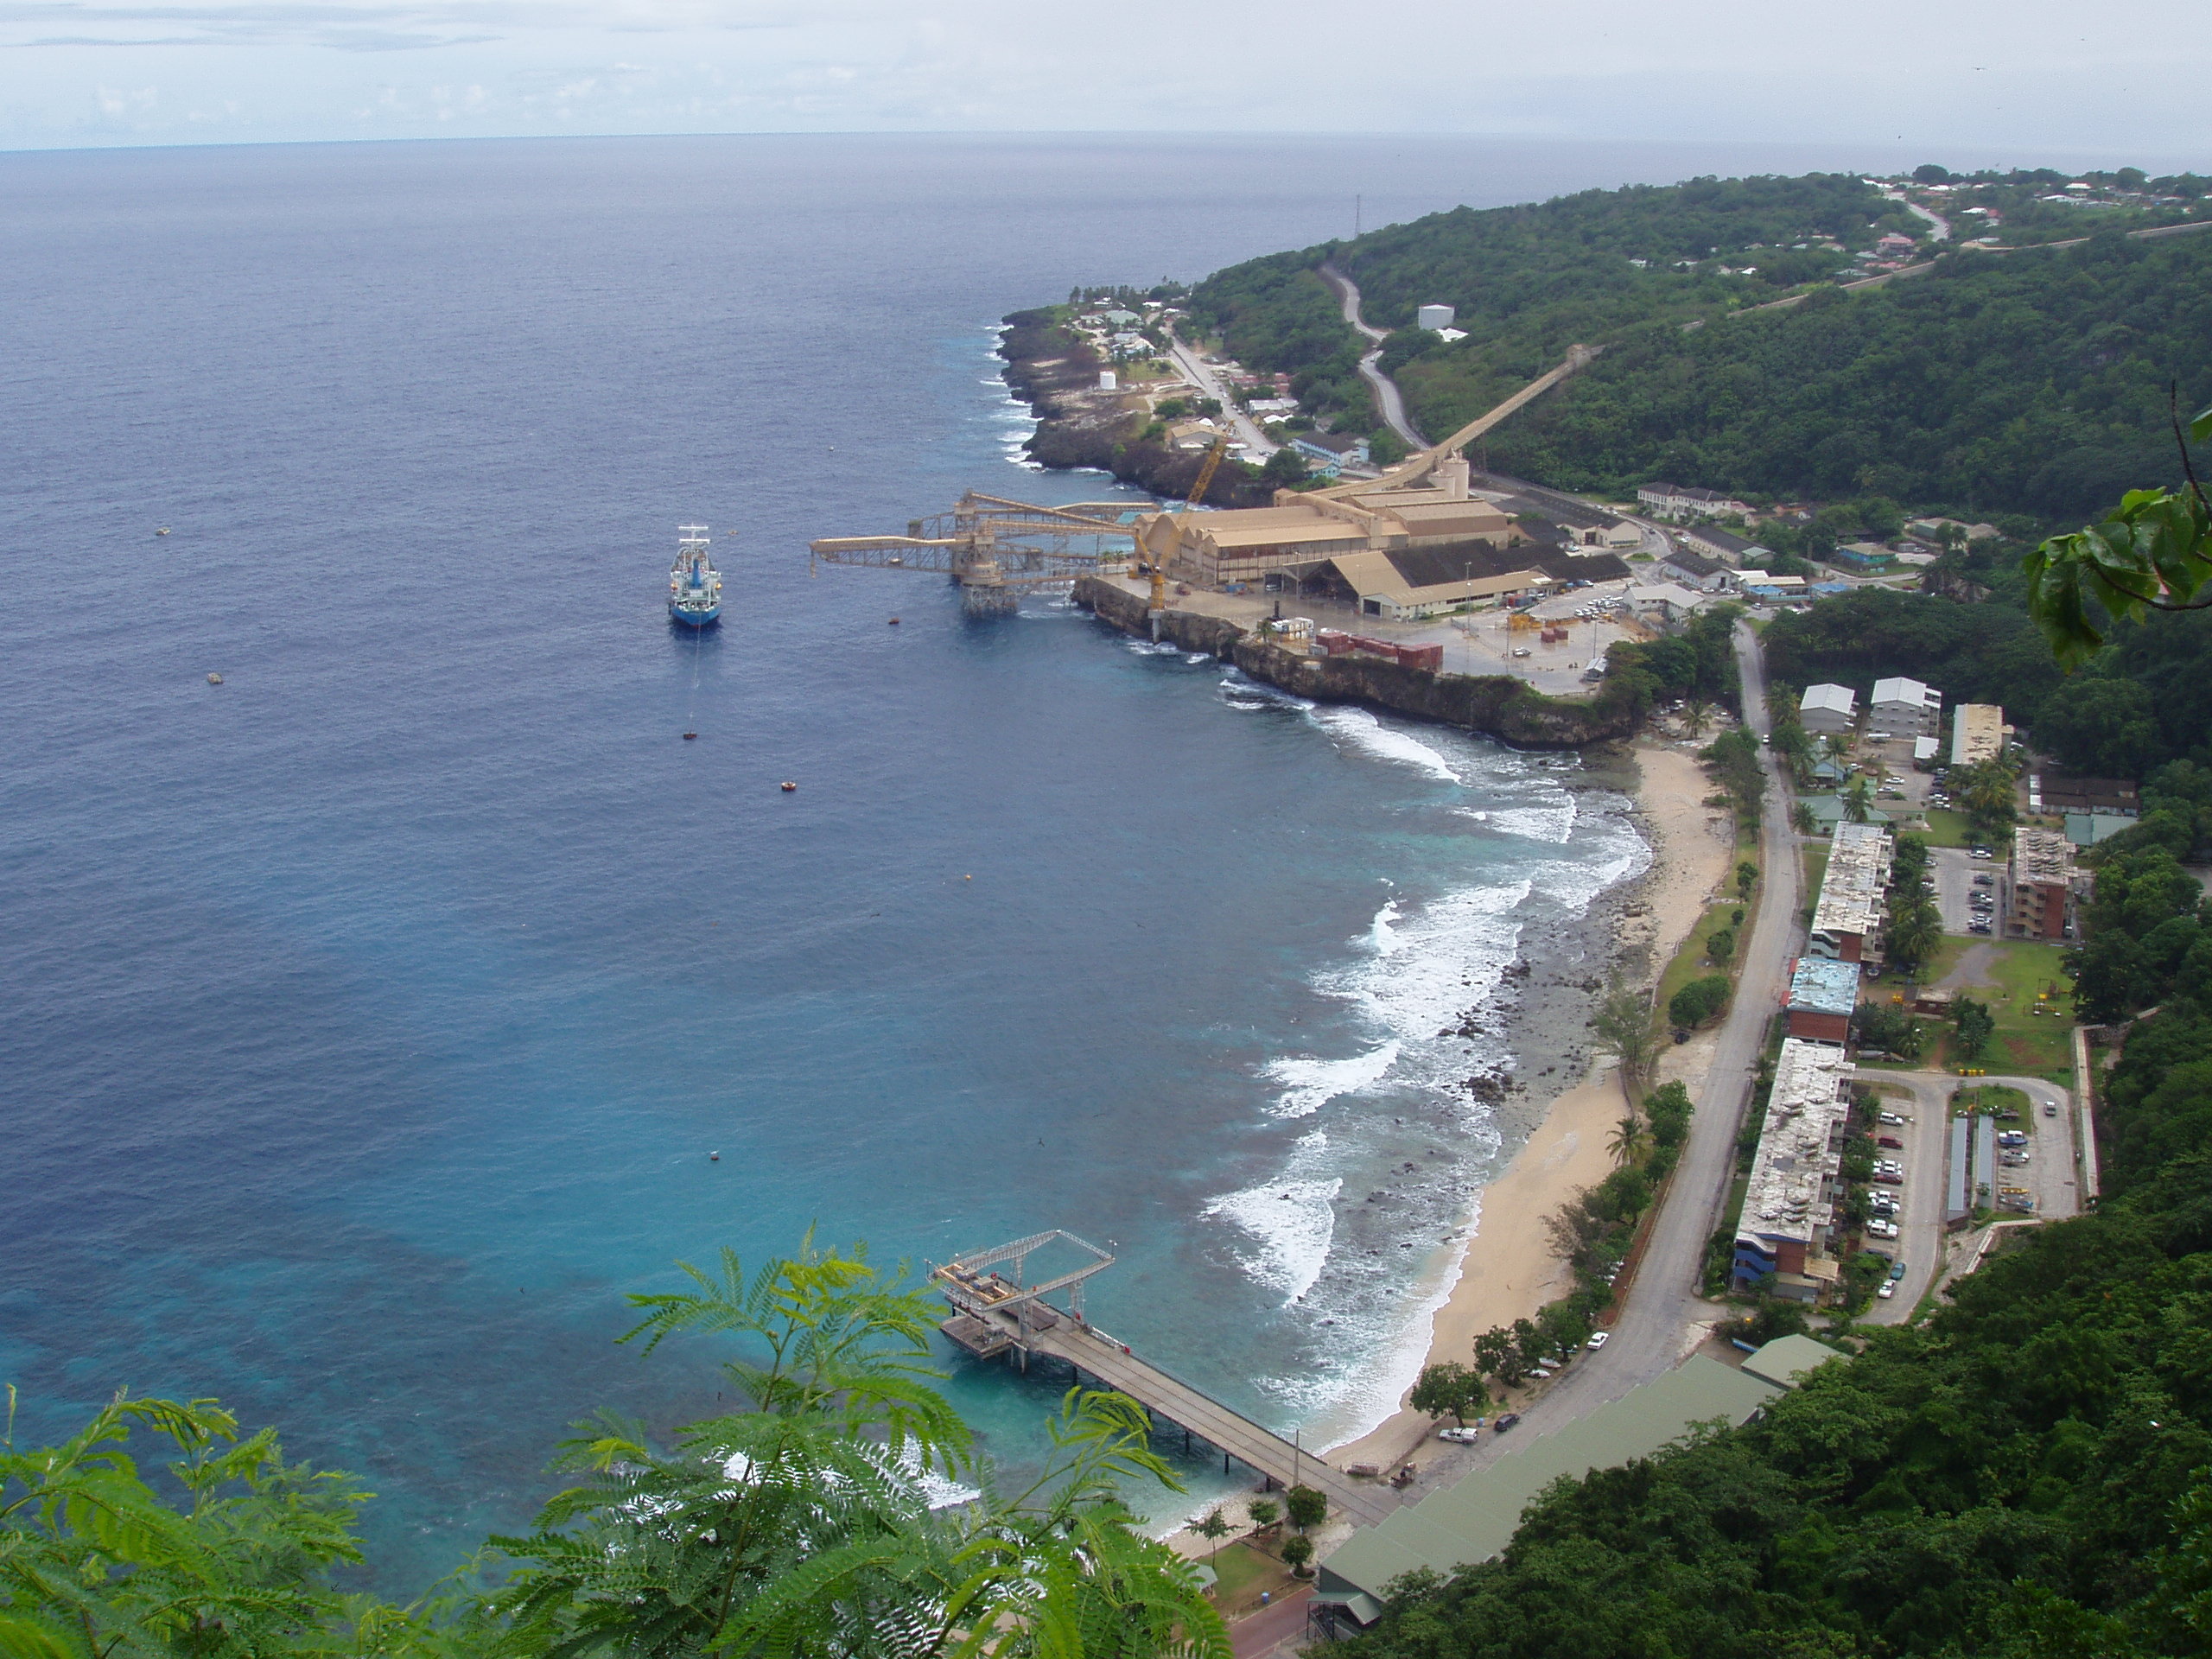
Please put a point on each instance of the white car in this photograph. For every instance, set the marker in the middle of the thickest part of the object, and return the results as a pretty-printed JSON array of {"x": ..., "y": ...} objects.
[
  {"x": 1471, "y": 1434},
  {"x": 1889, "y": 1289},
  {"x": 1598, "y": 1339},
  {"x": 1892, "y": 1117}
]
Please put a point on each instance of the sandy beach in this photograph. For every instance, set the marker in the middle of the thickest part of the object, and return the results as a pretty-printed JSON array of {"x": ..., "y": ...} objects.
[{"x": 1508, "y": 1268}]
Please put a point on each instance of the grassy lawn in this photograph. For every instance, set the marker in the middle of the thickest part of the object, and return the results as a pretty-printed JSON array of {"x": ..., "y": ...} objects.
[
  {"x": 1242, "y": 1573},
  {"x": 1816, "y": 866},
  {"x": 1689, "y": 961},
  {"x": 1947, "y": 828},
  {"x": 2026, "y": 1044}
]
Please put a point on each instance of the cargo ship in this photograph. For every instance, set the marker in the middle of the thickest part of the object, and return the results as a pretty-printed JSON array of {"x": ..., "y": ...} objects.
[{"x": 695, "y": 587}]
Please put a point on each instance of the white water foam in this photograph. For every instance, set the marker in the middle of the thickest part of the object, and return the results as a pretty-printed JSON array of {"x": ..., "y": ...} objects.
[
  {"x": 1358, "y": 729},
  {"x": 1291, "y": 1222},
  {"x": 1308, "y": 1084},
  {"x": 1552, "y": 823}
]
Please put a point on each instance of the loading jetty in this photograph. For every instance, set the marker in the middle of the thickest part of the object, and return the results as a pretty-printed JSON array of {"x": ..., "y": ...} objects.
[{"x": 995, "y": 1313}]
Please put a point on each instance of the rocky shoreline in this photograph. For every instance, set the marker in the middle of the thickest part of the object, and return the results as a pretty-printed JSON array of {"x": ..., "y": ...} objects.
[
  {"x": 1494, "y": 705},
  {"x": 1055, "y": 371}
]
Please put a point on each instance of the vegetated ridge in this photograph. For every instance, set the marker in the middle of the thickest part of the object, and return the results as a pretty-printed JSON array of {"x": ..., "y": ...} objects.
[{"x": 2031, "y": 381}]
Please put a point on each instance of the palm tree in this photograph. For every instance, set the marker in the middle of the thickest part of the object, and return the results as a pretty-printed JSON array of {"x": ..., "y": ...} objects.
[
  {"x": 1627, "y": 1140},
  {"x": 1801, "y": 820},
  {"x": 1858, "y": 799}
]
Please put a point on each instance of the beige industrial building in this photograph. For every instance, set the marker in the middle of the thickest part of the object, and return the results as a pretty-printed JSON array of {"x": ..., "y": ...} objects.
[
  {"x": 1796, "y": 1176},
  {"x": 1211, "y": 550}
]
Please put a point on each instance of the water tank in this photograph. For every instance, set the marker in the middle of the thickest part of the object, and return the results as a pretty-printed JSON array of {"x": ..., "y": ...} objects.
[{"x": 1435, "y": 316}]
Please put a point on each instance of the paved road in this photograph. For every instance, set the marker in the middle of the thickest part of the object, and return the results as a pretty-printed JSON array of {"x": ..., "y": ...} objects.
[
  {"x": 1386, "y": 389},
  {"x": 1200, "y": 374},
  {"x": 1664, "y": 1318},
  {"x": 1939, "y": 228}
]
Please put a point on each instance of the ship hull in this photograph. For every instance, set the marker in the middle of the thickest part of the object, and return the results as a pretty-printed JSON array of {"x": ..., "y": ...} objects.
[{"x": 691, "y": 619}]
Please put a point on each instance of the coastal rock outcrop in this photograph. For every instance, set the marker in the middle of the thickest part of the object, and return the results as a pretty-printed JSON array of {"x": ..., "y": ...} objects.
[{"x": 1495, "y": 705}]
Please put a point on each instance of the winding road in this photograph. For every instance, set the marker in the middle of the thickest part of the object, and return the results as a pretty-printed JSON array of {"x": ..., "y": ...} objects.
[{"x": 1387, "y": 396}]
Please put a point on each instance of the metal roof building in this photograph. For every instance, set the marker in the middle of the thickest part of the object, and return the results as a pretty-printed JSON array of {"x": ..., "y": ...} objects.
[{"x": 1474, "y": 1517}]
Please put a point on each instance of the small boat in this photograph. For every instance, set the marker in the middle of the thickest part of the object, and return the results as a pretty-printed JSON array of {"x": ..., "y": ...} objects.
[
  {"x": 695, "y": 587},
  {"x": 214, "y": 679},
  {"x": 788, "y": 787},
  {"x": 687, "y": 736},
  {"x": 163, "y": 530}
]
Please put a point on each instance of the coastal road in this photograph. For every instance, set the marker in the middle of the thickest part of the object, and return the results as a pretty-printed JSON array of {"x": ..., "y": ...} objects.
[
  {"x": 1939, "y": 228},
  {"x": 1200, "y": 374},
  {"x": 1386, "y": 389},
  {"x": 1665, "y": 1316}
]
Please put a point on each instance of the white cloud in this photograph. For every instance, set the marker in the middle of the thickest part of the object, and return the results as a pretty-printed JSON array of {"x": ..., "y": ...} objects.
[{"x": 2032, "y": 73}]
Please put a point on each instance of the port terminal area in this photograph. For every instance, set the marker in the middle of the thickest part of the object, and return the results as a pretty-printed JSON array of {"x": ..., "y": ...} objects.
[{"x": 1484, "y": 641}]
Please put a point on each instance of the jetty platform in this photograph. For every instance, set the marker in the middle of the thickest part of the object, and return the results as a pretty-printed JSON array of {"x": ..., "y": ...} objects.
[{"x": 994, "y": 1314}]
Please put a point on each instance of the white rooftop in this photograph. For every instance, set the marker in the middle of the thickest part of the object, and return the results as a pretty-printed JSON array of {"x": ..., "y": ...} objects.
[
  {"x": 1800, "y": 1152},
  {"x": 1837, "y": 699},
  {"x": 1850, "y": 890},
  {"x": 1897, "y": 688}
]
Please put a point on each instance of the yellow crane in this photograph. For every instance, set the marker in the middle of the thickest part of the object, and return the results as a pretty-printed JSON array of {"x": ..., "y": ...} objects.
[{"x": 1207, "y": 468}]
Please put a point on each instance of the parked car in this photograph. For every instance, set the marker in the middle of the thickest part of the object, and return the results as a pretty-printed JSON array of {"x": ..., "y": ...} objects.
[
  {"x": 1467, "y": 1436},
  {"x": 1891, "y": 1117},
  {"x": 1505, "y": 1422},
  {"x": 1978, "y": 927},
  {"x": 1598, "y": 1339},
  {"x": 1883, "y": 1178},
  {"x": 1984, "y": 879},
  {"x": 1889, "y": 1289},
  {"x": 2051, "y": 1109},
  {"x": 1897, "y": 1269},
  {"x": 1889, "y": 1140}
]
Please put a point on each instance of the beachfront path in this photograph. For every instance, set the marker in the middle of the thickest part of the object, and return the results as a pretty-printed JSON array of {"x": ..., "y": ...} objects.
[{"x": 1665, "y": 1316}]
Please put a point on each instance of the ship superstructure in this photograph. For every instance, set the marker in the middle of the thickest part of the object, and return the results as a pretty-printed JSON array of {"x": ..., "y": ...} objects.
[{"x": 695, "y": 587}]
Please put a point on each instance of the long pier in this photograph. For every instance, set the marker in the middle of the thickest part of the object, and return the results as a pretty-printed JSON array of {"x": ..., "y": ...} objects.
[{"x": 993, "y": 1314}]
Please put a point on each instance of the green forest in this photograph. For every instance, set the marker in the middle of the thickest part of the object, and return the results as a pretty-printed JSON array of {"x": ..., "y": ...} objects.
[{"x": 2032, "y": 381}]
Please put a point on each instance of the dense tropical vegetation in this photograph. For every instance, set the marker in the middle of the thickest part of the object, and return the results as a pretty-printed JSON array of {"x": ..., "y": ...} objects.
[{"x": 813, "y": 1520}]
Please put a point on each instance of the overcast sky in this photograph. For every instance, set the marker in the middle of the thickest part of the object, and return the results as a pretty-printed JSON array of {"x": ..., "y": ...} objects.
[{"x": 2068, "y": 82}]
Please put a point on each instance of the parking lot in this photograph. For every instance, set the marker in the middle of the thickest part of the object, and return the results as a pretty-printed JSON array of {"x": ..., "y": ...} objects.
[
  {"x": 1923, "y": 1130},
  {"x": 1959, "y": 877}
]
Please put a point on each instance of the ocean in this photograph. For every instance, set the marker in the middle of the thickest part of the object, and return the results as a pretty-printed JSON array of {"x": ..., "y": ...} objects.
[{"x": 371, "y": 1018}]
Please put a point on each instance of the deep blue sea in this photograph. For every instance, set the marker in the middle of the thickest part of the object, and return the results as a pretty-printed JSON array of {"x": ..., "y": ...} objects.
[{"x": 366, "y": 1021}]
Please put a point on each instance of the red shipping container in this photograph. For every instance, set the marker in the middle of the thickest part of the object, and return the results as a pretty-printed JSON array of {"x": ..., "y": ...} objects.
[{"x": 1427, "y": 656}]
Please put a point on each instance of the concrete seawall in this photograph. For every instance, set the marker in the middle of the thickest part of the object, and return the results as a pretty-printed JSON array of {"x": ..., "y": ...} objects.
[{"x": 1495, "y": 705}]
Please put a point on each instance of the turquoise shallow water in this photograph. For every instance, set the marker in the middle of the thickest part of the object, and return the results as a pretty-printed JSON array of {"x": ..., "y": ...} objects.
[{"x": 370, "y": 1018}]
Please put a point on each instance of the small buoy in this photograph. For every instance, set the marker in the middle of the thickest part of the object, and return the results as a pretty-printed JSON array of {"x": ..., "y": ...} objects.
[
  {"x": 214, "y": 679},
  {"x": 687, "y": 736},
  {"x": 714, "y": 1157},
  {"x": 967, "y": 878},
  {"x": 789, "y": 786}
]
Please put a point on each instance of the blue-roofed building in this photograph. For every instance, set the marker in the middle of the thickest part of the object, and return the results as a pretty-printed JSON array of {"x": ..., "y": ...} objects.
[{"x": 1822, "y": 994}]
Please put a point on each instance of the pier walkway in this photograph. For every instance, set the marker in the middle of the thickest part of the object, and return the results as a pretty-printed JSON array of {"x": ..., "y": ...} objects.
[
  {"x": 1363, "y": 1501},
  {"x": 993, "y": 1314}
]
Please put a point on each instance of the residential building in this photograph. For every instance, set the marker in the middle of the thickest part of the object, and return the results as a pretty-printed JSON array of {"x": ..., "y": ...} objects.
[
  {"x": 1828, "y": 709},
  {"x": 1924, "y": 751},
  {"x": 1977, "y": 733},
  {"x": 1473, "y": 1519},
  {"x": 1829, "y": 810},
  {"x": 1904, "y": 707},
  {"x": 1823, "y": 991},
  {"x": 2116, "y": 797},
  {"x": 2042, "y": 886},
  {"x": 1931, "y": 530},
  {"x": 2088, "y": 828},
  {"x": 1789, "y": 1216},
  {"x": 1847, "y": 916},
  {"x": 1331, "y": 452},
  {"x": 1435, "y": 316},
  {"x": 1726, "y": 546},
  {"x": 1679, "y": 501}
]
